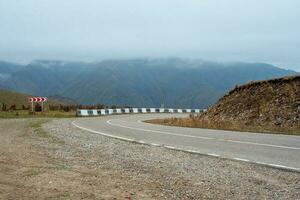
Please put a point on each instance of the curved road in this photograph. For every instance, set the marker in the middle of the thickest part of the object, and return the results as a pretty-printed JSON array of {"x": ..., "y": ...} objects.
[{"x": 279, "y": 151}]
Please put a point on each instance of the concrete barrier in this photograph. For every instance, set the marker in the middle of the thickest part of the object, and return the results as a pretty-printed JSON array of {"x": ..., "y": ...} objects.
[{"x": 100, "y": 112}]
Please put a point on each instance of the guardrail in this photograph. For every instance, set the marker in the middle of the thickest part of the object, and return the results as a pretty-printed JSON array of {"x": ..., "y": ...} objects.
[{"x": 99, "y": 112}]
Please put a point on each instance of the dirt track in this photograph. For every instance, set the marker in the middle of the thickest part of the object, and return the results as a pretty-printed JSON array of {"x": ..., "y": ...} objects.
[{"x": 62, "y": 162}]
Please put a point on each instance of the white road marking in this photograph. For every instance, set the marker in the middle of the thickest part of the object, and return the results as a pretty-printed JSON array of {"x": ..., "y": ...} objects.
[
  {"x": 154, "y": 144},
  {"x": 262, "y": 163},
  {"x": 169, "y": 147},
  {"x": 282, "y": 166},
  {"x": 202, "y": 137},
  {"x": 213, "y": 154},
  {"x": 193, "y": 151},
  {"x": 101, "y": 133},
  {"x": 184, "y": 150},
  {"x": 262, "y": 144},
  {"x": 278, "y": 166},
  {"x": 242, "y": 159}
]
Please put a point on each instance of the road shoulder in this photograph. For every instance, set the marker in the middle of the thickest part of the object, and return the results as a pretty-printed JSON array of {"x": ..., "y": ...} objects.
[{"x": 58, "y": 161}]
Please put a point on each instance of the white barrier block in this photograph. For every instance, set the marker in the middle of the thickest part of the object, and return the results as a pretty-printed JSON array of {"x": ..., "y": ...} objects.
[
  {"x": 152, "y": 110},
  {"x": 95, "y": 112},
  {"x": 102, "y": 111},
  {"x": 119, "y": 111},
  {"x": 135, "y": 110},
  {"x": 144, "y": 110},
  {"x": 83, "y": 113}
]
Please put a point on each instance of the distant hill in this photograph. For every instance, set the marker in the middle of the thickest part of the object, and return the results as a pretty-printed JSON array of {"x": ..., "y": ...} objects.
[
  {"x": 172, "y": 82},
  {"x": 271, "y": 105},
  {"x": 19, "y": 99},
  {"x": 63, "y": 100}
]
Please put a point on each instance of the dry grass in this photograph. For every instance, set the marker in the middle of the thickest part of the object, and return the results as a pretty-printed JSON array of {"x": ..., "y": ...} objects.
[
  {"x": 27, "y": 114},
  {"x": 271, "y": 106},
  {"x": 225, "y": 125},
  {"x": 286, "y": 79},
  {"x": 16, "y": 98},
  {"x": 37, "y": 128}
]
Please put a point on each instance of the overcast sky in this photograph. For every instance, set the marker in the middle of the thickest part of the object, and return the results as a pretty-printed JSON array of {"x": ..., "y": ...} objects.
[{"x": 92, "y": 30}]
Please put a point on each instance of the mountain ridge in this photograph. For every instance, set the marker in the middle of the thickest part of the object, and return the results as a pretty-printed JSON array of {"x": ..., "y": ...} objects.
[{"x": 173, "y": 82}]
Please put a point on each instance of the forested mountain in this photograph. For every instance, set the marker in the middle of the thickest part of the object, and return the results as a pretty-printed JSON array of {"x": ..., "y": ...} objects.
[{"x": 173, "y": 82}]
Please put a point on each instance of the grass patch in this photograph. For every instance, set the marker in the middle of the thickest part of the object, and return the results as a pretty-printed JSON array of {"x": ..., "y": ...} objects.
[
  {"x": 40, "y": 132},
  {"x": 63, "y": 167},
  {"x": 26, "y": 114},
  {"x": 31, "y": 173}
]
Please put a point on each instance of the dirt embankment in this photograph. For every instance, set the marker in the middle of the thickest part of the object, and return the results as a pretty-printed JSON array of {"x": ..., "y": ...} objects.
[{"x": 267, "y": 106}]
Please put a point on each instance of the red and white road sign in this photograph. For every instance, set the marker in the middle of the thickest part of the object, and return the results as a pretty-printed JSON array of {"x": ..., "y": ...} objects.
[{"x": 37, "y": 99}]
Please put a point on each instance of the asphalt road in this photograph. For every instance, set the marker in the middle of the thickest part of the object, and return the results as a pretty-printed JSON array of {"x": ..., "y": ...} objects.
[{"x": 281, "y": 151}]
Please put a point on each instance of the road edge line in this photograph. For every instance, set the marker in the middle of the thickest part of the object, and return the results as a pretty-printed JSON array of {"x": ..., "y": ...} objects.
[{"x": 274, "y": 166}]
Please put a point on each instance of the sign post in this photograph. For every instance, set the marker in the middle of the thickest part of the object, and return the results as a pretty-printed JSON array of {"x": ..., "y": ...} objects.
[{"x": 37, "y": 99}]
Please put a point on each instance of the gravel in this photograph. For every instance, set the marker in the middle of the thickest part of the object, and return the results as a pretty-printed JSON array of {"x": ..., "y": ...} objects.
[{"x": 135, "y": 171}]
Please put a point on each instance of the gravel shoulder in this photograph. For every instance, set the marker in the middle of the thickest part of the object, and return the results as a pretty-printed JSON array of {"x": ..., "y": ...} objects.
[{"x": 59, "y": 161}]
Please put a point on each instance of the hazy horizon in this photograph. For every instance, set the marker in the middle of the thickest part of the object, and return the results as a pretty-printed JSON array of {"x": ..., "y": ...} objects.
[
  {"x": 221, "y": 31},
  {"x": 24, "y": 63}
]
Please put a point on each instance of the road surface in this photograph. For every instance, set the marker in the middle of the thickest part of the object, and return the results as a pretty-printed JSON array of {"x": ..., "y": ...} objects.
[{"x": 281, "y": 151}]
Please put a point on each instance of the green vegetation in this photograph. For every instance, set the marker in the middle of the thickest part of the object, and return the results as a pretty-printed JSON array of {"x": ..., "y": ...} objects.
[
  {"x": 13, "y": 98},
  {"x": 27, "y": 114},
  {"x": 36, "y": 125},
  {"x": 15, "y": 105},
  {"x": 19, "y": 100}
]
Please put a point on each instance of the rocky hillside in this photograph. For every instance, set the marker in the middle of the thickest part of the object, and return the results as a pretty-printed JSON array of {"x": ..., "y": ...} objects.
[
  {"x": 271, "y": 105},
  {"x": 268, "y": 106}
]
